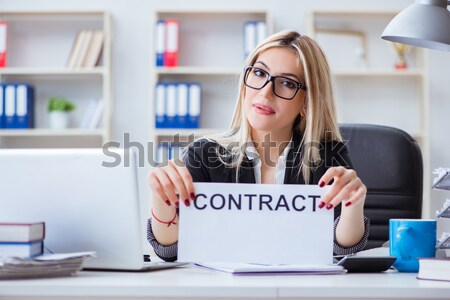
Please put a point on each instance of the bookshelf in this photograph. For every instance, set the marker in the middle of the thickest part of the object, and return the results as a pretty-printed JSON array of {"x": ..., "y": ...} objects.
[
  {"x": 211, "y": 52},
  {"x": 368, "y": 88},
  {"x": 39, "y": 45}
]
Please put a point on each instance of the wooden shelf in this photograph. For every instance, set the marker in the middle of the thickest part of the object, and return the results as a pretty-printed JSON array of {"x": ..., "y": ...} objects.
[
  {"x": 197, "y": 71},
  {"x": 187, "y": 131},
  {"x": 228, "y": 13},
  {"x": 45, "y": 132},
  {"x": 378, "y": 72},
  {"x": 52, "y": 71},
  {"x": 355, "y": 13}
]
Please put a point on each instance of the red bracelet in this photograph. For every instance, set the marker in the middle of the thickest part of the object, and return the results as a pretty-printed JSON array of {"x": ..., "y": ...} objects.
[{"x": 168, "y": 223}]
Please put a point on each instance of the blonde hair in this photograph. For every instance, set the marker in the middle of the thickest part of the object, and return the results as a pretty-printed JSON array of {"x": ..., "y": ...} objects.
[{"x": 320, "y": 116}]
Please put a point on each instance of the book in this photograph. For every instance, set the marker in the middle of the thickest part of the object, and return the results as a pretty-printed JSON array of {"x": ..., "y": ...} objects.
[
  {"x": 434, "y": 269},
  {"x": 75, "y": 50},
  {"x": 21, "y": 249},
  {"x": 22, "y": 232},
  {"x": 260, "y": 269},
  {"x": 94, "y": 50},
  {"x": 3, "y": 44},
  {"x": 96, "y": 117},
  {"x": 85, "y": 42},
  {"x": 88, "y": 113}
]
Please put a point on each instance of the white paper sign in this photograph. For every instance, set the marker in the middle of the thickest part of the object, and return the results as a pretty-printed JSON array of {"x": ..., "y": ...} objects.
[{"x": 256, "y": 223}]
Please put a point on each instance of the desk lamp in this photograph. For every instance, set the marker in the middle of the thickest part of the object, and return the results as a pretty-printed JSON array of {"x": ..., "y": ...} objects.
[{"x": 426, "y": 23}]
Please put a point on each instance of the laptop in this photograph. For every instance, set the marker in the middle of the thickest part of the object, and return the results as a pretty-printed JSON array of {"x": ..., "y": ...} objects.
[{"x": 86, "y": 206}]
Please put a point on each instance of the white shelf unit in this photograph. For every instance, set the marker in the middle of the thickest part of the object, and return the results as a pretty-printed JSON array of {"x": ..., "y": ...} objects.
[
  {"x": 375, "y": 92},
  {"x": 39, "y": 45},
  {"x": 211, "y": 52}
]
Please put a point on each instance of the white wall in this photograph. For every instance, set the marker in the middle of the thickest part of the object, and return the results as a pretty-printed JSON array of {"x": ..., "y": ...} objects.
[{"x": 132, "y": 36}]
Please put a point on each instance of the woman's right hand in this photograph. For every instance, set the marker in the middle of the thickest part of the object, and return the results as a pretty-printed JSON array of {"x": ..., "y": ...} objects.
[{"x": 172, "y": 183}]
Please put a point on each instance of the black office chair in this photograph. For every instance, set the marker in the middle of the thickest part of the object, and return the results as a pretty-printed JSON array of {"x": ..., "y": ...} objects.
[{"x": 389, "y": 162}]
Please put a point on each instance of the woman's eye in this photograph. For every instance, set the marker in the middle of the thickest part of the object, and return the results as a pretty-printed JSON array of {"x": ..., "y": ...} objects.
[
  {"x": 288, "y": 84},
  {"x": 259, "y": 73}
]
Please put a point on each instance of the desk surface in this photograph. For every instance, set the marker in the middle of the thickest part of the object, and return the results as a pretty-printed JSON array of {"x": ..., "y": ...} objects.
[{"x": 194, "y": 283}]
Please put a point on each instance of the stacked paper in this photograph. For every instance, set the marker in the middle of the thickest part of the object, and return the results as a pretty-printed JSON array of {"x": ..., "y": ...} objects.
[
  {"x": 249, "y": 269},
  {"x": 49, "y": 265}
]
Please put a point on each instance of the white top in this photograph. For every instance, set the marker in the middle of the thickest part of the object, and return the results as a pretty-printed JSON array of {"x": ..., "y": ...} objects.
[
  {"x": 197, "y": 283},
  {"x": 280, "y": 170}
]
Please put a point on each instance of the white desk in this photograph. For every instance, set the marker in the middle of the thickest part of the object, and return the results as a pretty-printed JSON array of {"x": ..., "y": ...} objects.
[{"x": 196, "y": 283}]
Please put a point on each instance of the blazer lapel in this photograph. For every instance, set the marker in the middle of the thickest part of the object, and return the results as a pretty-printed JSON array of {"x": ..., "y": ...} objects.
[
  {"x": 293, "y": 162},
  {"x": 246, "y": 172}
]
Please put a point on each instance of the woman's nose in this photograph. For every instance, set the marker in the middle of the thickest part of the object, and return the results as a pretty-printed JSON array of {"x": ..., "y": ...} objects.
[{"x": 267, "y": 91}]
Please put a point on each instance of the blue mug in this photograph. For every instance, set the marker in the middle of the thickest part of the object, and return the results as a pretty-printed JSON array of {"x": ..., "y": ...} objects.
[{"x": 410, "y": 239}]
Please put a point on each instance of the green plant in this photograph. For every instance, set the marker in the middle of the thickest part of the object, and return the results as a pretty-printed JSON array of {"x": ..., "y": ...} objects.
[{"x": 60, "y": 104}]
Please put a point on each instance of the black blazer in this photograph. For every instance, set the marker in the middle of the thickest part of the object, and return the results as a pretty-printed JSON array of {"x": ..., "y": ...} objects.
[{"x": 202, "y": 162}]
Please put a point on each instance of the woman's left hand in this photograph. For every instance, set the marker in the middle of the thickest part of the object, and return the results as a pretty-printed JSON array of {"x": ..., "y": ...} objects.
[{"x": 347, "y": 187}]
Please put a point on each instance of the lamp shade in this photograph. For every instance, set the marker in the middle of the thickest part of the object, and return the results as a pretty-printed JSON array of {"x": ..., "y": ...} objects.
[{"x": 426, "y": 23}]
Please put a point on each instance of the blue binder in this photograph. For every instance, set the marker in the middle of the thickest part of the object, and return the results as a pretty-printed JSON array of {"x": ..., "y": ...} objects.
[
  {"x": 24, "y": 117},
  {"x": 9, "y": 114},
  {"x": 18, "y": 106},
  {"x": 182, "y": 105},
  {"x": 195, "y": 105},
  {"x": 171, "y": 105},
  {"x": 160, "y": 106},
  {"x": 160, "y": 45},
  {"x": 249, "y": 37},
  {"x": 2, "y": 105}
]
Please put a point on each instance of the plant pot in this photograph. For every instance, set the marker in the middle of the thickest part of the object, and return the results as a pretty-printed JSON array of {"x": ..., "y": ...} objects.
[{"x": 58, "y": 119}]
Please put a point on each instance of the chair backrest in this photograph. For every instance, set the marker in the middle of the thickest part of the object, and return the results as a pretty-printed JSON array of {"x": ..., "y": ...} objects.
[{"x": 389, "y": 162}]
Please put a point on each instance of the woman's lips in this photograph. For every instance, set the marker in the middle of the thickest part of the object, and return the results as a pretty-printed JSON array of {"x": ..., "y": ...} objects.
[{"x": 263, "y": 109}]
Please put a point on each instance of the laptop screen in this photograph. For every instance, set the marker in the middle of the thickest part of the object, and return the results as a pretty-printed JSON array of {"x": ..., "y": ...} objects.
[{"x": 88, "y": 201}]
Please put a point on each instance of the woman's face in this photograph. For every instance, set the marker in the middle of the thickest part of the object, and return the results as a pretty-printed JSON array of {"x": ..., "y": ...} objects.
[{"x": 264, "y": 110}]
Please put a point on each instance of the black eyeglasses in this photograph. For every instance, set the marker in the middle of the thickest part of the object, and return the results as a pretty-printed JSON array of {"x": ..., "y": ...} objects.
[{"x": 283, "y": 87}]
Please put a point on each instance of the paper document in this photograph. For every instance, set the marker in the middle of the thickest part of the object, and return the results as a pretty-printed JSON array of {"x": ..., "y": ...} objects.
[
  {"x": 248, "y": 269},
  {"x": 47, "y": 265},
  {"x": 256, "y": 223}
]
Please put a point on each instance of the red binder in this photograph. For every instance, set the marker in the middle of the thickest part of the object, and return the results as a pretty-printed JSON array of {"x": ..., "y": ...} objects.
[
  {"x": 3, "y": 48},
  {"x": 171, "y": 53}
]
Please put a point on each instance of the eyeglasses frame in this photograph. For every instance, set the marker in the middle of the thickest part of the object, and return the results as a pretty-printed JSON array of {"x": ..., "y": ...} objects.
[{"x": 300, "y": 86}]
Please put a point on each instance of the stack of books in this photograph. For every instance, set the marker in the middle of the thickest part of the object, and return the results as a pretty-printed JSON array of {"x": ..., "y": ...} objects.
[
  {"x": 22, "y": 239},
  {"x": 439, "y": 268},
  {"x": 22, "y": 254},
  {"x": 86, "y": 49}
]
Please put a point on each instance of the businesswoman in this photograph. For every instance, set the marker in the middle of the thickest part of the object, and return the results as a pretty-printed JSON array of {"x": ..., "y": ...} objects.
[{"x": 283, "y": 131}]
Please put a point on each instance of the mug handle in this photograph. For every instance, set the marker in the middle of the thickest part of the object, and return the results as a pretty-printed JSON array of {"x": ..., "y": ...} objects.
[{"x": 402, "y": 233}]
